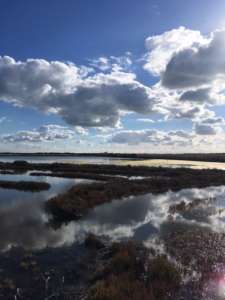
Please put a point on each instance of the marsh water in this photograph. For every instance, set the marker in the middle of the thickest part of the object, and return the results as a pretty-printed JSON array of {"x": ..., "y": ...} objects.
[
  {"x": 23, "y": 221},
  {"x": 117, "y": 161},
  {"x": 24, "y": 224},
  {"x": 23, "y": 218},
  {"x": 61, "y": 159}
]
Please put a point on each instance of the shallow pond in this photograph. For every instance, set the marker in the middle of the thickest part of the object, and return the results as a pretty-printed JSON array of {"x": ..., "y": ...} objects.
[
  {"x": 176, "y": 223},
  {"x": 61, "y": 159},
  {"x": 141, "y": 217},
  {"x": 170, "y": 163},
  {"x": 24, "y": 220},
  {"x": 117, "y": 161}
]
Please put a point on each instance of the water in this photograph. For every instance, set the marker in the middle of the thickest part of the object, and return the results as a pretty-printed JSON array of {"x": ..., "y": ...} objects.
[
  {"x": 117, "y": 161},
  {"x": 187, "y": 236},
  {"x": 61, "y": 159},
  {"x": 191, "y": 234},
  {"x": 23, "y": 220},
  {"x": 170, "y": 163},
  {"x": 141, "y": 217}
]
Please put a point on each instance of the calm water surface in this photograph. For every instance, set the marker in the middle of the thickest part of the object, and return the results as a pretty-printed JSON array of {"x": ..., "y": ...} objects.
[
  {"x": 62, "y": 159},
  {"x": 25, "y": 224},
  {"x": 117, "y": 161},
  {"x": 23, "y": 221}
]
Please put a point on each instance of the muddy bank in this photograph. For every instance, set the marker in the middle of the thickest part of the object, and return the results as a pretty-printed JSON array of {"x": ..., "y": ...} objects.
[
  {"x": 76, "y": 202},
  {"x": 28, "y": 186}
]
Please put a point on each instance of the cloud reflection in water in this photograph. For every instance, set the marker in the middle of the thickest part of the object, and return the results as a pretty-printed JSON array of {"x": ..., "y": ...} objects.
[{"x": 24, "y": 223}]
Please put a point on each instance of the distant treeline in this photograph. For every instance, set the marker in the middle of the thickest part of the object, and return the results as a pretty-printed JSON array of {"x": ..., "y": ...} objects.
[{"x": 208, "y": 157}]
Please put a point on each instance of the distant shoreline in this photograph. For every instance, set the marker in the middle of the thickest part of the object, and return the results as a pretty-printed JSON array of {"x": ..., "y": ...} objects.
[{"x": 206, "y": 157}]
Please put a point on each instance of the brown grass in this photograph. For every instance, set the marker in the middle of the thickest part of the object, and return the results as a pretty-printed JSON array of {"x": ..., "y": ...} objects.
[{"x": 130, "y": 274}]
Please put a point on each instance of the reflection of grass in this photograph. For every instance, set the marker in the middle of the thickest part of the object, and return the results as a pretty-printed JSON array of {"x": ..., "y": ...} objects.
[
  {"x": 197, "y": 209},
  {"x": 185, "y": 207}
]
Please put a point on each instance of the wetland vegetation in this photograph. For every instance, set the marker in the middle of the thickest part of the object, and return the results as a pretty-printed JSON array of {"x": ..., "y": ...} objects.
[
  {"x": 129, "y": 232},
  {"x": 207, "y": 157},
  {"x": 32, "y": 186}
]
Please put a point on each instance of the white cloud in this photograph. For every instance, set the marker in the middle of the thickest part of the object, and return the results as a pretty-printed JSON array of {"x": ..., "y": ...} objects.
[
  {"x": 209, "y": 126},
  {"x": 45, "y": 133},
  {"x": 162, "y": 47},
  {"x": 101, "y": 63},
  {"x": 191, "y": 80},
  {"x": 80, "y": 98},
  {"x": 206, "y": 129},
  {"x": 198, "y": 65},
  {"x": 115, "y": 63},
  {"x": 154, "y": 137},
  {"x": 144, "y": 120},
  {"x": 80, "y": 130},
  {"x": 191, "y": 70}
]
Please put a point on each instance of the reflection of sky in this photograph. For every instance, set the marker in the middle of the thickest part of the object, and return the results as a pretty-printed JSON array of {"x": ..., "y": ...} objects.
[
  {"x": 58, "y": 185},
  {"x": 141, "y": 217},
  {"x": 60, "y": 159},
  {"x": 23, "y": 222},
  {"x": 111, "y": 160}
]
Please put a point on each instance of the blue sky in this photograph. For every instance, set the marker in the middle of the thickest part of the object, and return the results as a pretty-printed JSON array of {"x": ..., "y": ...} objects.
[{"x": 103, "y": 53}]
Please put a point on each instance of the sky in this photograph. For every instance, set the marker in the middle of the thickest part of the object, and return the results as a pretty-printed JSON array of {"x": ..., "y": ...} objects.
[{"x": 142, "y": 76}]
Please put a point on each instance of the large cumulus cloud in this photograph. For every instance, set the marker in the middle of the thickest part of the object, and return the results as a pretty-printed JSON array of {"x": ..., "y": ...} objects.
[
  {"x": 189, "y": 67},
  {"x": 191, "y": 71},
  {"x": 189, "y": 64},
  {"x": 78, "y": 95},
  {"x": 198, "y": 65},
  {"x": 161, "y": 48}
]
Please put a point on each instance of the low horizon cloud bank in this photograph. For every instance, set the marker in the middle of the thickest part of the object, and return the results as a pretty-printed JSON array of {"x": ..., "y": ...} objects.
[{"x": 44, "y": 133}]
